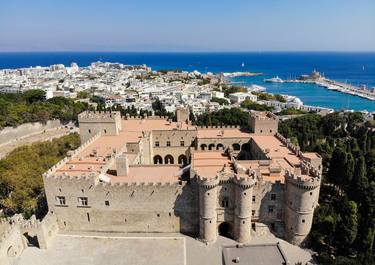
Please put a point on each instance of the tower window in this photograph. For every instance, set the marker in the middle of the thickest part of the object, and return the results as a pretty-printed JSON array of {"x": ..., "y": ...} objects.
[
  {"x": 106, "y": 203},
  {"x": 252, "y": 212},
  {"x": 182, "y": 143},
  {"x": 157, "y": 144},
  {"x": 168, "y": 143},
  {"x": 88, "y": 217},
  {"x": 253, "y": 198},
  {"x": 225, "y": 203},
  {"x": 303, "y": 220},
  {"x": 270, "y": 208},
  {"x": 89, "y": 131},
  {"x": 273, "y": 196},
  {"x": 105, "y": 131},
  {"x": 273, "y": 226}
]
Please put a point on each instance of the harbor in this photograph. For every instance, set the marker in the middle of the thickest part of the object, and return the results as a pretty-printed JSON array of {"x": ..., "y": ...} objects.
[{"x": 317, "y": 79}]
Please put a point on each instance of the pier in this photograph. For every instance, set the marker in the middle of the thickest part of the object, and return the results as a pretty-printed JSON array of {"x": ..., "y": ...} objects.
[{"x": 317, "y": 79}]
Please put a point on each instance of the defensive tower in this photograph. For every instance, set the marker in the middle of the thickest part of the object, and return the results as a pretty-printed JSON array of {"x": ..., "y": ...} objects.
[
  {"x": 207, "y": 208},
  {"x": 242, "y": 212},
  {"x": 263, "y": 123},
  {"x": 302, "y": 194},
  {"x": 91, "y": 123}
]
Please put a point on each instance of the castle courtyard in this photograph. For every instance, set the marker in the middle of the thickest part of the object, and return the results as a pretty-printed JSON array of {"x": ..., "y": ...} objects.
[{"x": 141, "y": 249}]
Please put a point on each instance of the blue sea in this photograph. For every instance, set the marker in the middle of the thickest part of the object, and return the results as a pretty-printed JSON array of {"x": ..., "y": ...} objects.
[{"x": 355, "y": 68}]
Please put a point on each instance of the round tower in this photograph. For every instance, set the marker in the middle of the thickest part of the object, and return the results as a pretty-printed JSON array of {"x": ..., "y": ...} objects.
[
  {"x": 242, "y": 213},
  {"x": 302, "y": 194},
  {"x": 207, "y": 208}
]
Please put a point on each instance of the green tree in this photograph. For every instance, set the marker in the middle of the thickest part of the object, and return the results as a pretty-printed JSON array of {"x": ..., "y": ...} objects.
[
  {"x": 347, "y": 225},
  {"x": 34, "y": 95}
]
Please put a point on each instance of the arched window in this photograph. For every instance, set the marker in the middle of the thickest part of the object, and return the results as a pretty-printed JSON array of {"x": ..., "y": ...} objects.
[
  {"x": 182, "y": 160},
  {"x": 158, "y": 160},
  {"x": 203, "y": 146},
  {"x": 236, "y": 147},
  {"x": 169, "y": 159},
  {"x": 211, "y": 147},
  {"x": 220, "y": 147}
]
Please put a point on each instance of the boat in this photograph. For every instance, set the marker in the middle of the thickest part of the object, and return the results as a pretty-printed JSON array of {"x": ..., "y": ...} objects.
[{"x": 274, "y": 80}]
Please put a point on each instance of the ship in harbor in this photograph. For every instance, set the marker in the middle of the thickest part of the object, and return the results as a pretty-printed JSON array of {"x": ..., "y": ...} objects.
[{"x": 274, "y": 80}]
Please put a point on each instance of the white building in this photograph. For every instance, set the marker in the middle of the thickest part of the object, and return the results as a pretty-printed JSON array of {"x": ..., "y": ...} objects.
[{"x": 238, "y": 97}]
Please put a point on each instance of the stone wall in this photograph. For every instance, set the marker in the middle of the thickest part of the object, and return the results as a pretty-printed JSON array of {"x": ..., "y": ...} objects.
[
  {"x": 16, "y": 233},
  {"x": 148, "y": 207},
  {"x": 12, "y": 243},
  {"x": 9, "y": 134}
]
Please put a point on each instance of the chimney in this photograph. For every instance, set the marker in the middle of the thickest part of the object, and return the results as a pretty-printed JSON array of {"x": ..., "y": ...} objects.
[{"x": 122, "y": 165}]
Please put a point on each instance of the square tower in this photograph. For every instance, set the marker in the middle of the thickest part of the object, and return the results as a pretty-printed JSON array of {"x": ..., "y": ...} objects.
[
  {"x": 91, "y": 123},
  {"x": 263, "y": 123},
  {"x": 182, "y": 115}
]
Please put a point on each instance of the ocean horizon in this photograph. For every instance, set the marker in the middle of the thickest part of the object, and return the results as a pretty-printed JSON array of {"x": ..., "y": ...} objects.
[{"x": 356, "y": 68}]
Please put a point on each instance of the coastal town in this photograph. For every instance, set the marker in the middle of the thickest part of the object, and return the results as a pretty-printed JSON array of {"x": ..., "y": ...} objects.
[{"x": 138, "y": 86}]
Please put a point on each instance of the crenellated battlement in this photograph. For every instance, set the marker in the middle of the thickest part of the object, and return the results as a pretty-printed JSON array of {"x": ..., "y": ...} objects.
[
  {"x": 245, "y": 182},
  {"x": 303, "y": 182},
  {"x": 264, "y": 116},
  {"x": 71, "y": 155},
  {"x": 220, "y": 126},
  {"x": 308, "y": 169},
  {"x": 98, "y": 116},
  {"x": 295, "y": 149},
  {"x": 88, "y": 178},
  {"x": 139, "y": 184},
  {"x": 145, "y": 117},
  {"x": 208, "y": 183}
]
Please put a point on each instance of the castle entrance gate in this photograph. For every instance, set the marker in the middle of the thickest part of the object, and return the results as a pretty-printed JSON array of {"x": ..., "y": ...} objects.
[{"x": 225, "y": 229}]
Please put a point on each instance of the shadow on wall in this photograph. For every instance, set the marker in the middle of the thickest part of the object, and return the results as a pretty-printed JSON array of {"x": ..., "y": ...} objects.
[
  {"x": 245, "y": 152},
  {"x": 186, "y": 207}
]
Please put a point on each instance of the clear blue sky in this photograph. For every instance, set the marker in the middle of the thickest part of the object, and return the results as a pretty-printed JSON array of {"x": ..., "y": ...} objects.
[{"x": 187, "y": 25}]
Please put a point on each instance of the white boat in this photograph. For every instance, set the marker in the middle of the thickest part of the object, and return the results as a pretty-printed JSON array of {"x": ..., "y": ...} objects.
[{"x": 274, "y": 80}]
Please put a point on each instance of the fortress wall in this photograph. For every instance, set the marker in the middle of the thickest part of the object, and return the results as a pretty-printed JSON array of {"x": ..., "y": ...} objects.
[
  {"x": 9, "y": 133},
  {"x": 12, "y": 243},
  {"x": 262, "y": 192},
  {"x": 132, "y": 208},
  {"x": 47, "y": 230}
]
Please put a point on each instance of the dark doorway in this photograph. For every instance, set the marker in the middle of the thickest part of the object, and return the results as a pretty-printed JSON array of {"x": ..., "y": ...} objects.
[{"x": 224, "y": 229}]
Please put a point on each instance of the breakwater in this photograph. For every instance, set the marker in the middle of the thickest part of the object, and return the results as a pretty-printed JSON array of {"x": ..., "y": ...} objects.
[{"x": 340, "y": 87}]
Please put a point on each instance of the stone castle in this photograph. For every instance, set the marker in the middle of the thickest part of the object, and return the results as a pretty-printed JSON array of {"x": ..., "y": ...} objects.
[{"x": 154, "y": 175}]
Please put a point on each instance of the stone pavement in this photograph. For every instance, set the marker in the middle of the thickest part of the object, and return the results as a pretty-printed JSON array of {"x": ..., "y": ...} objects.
[{"x": 140, "y": 249}]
